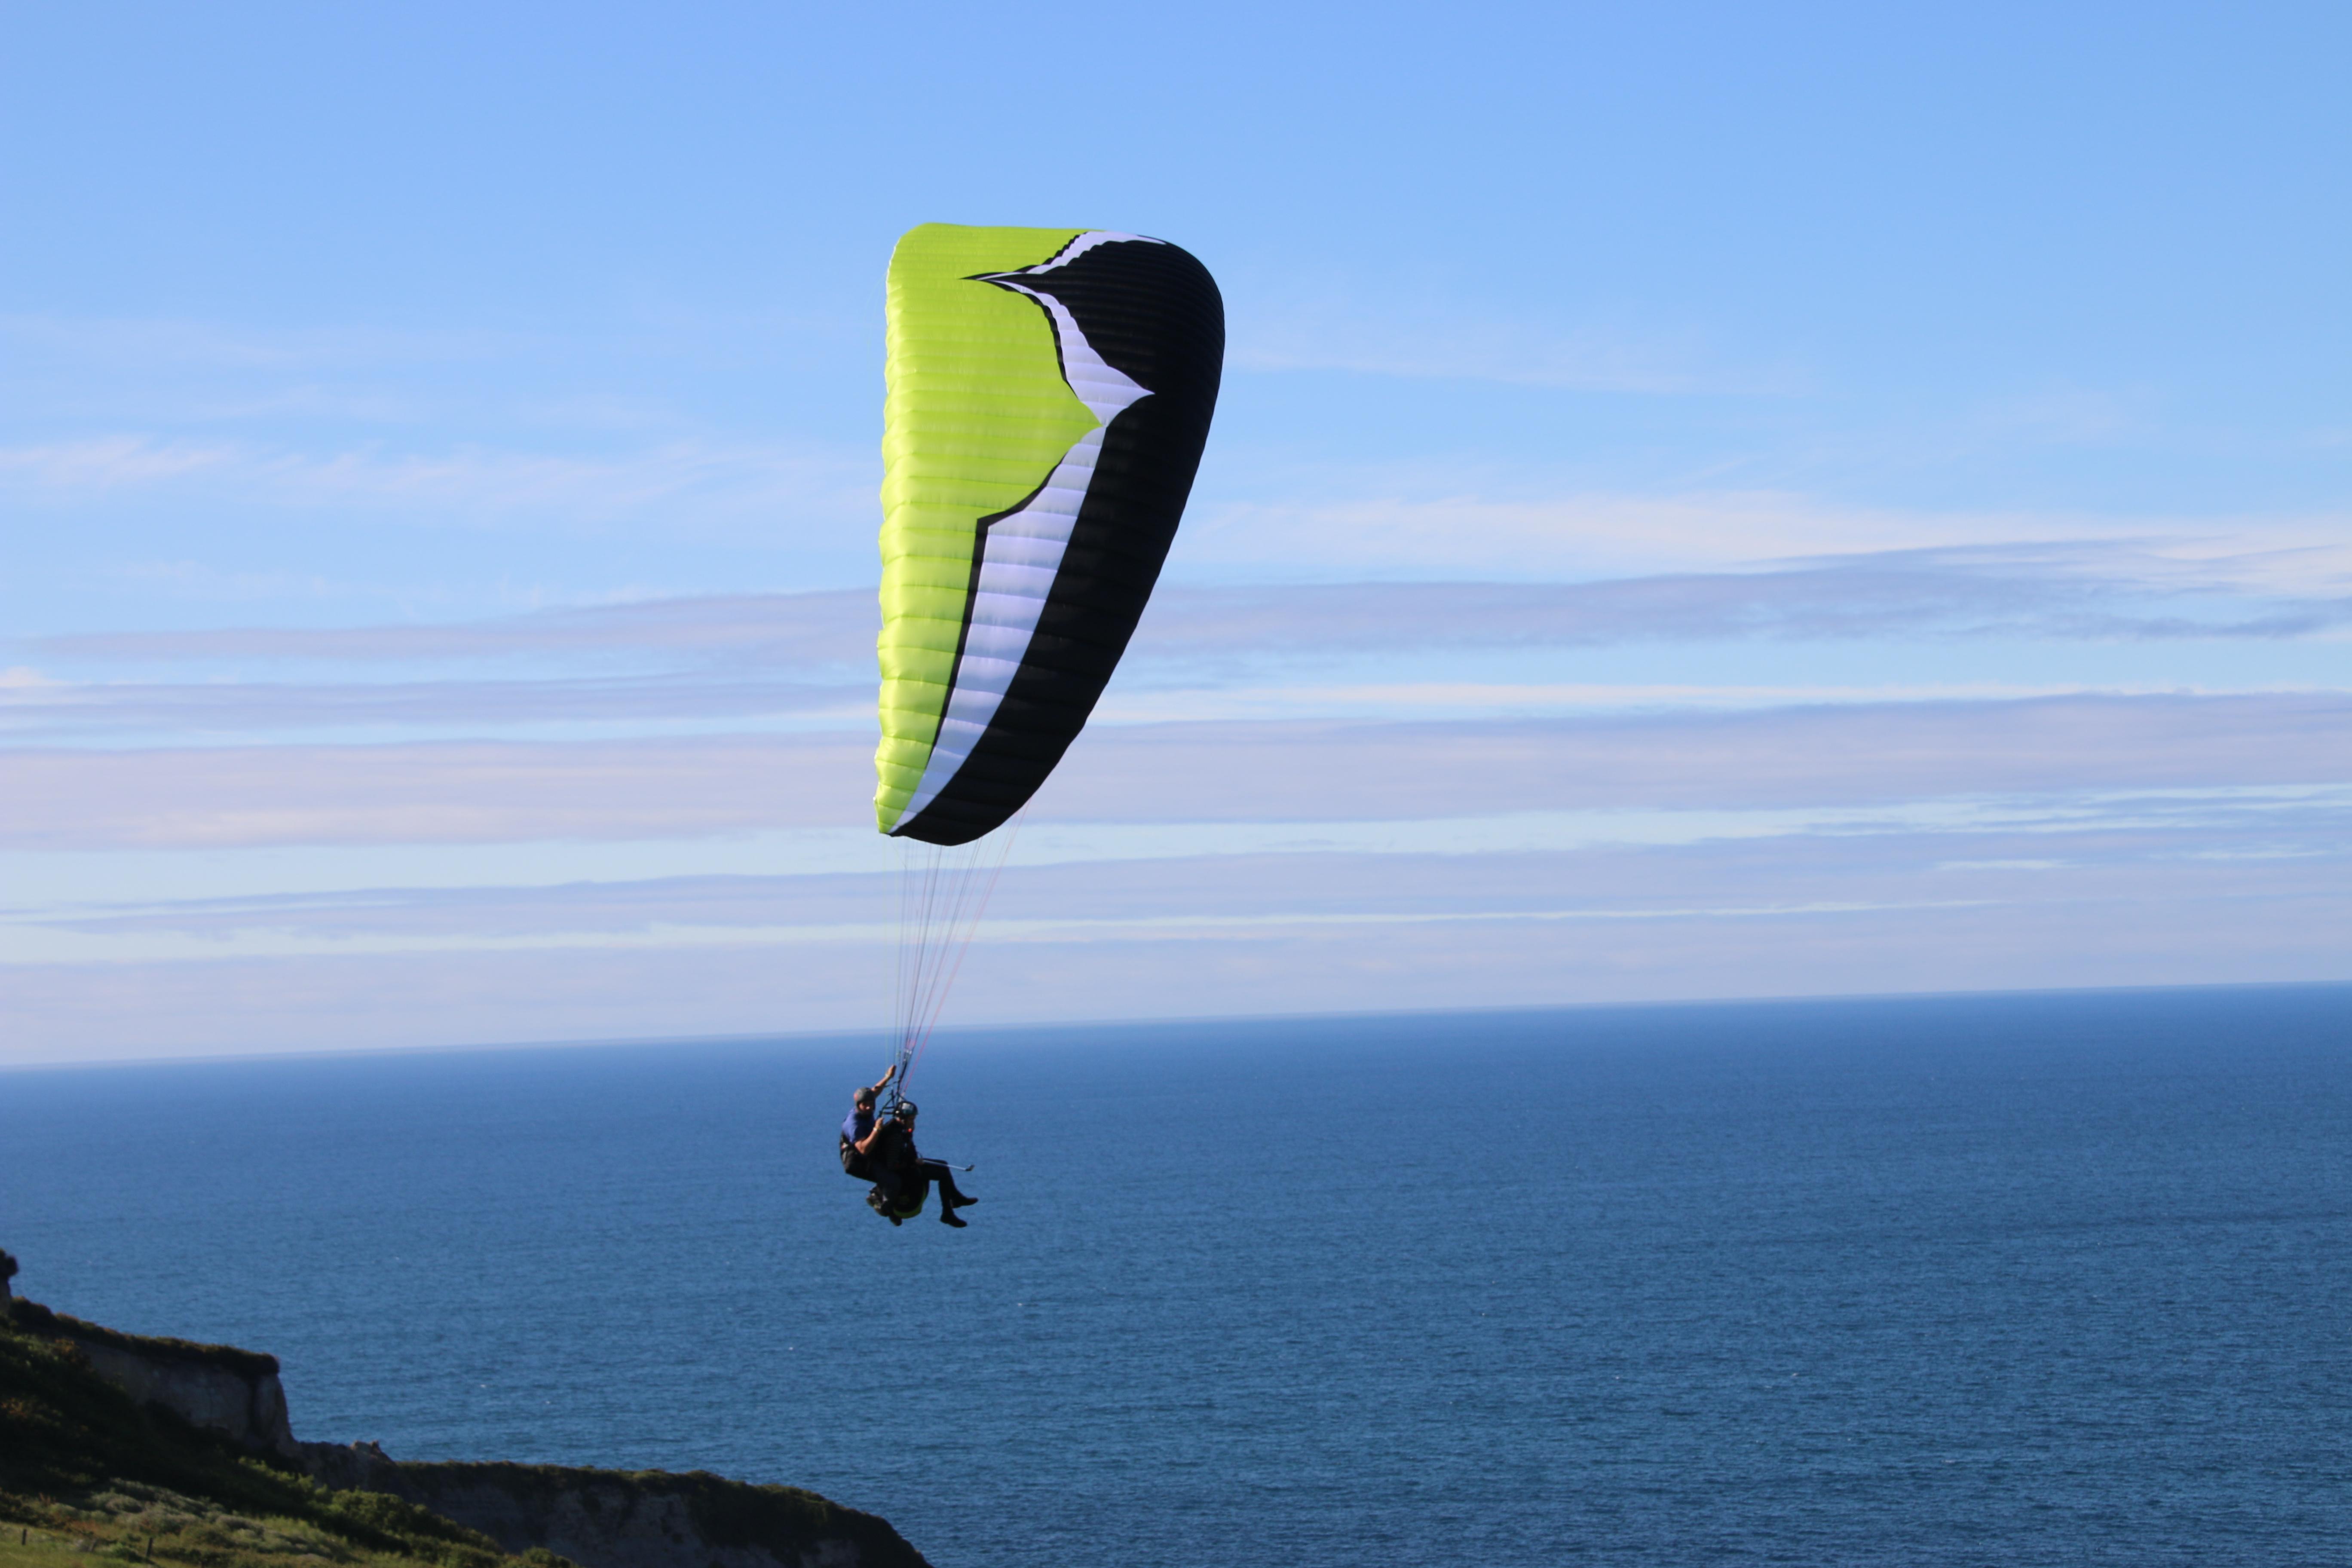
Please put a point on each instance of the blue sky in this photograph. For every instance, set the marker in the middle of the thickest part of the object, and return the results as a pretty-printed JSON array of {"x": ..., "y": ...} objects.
[{"x": 1706, "y": 502}]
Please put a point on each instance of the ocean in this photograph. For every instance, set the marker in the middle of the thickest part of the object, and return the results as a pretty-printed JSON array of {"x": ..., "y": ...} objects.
[{"x": 2055, "y": 1278}]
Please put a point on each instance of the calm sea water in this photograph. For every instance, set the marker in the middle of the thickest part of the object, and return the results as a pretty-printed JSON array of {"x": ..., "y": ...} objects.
[{"x": 2049, "y": 1280}]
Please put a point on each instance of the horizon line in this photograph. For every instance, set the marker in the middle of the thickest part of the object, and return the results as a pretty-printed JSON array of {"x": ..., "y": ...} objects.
[{"x": 816, "y": 1037}]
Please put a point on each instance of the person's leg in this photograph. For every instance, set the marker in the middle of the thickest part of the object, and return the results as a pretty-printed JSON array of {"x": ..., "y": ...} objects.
[
  {"x": 932, "y": 1171},
  {"x": 943, "y": 1174}
]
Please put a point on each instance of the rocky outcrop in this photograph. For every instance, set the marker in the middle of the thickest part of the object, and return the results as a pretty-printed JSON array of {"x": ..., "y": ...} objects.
[
  {"x": 217, "y": 1387},
  {"x": 612, "y": 1519},
  {"x": 598, "y": 1519}
]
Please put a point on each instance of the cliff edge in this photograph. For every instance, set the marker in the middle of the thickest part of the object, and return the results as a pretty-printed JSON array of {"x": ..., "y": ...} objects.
[
  {"x": 170, "y": 1452},
  {"x": 612, "y": 1519},
  {"x": 231, "y": 1392}
]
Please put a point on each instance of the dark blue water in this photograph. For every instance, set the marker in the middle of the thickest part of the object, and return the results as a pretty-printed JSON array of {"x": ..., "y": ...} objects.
[{"x": 2051, "y": 1280}]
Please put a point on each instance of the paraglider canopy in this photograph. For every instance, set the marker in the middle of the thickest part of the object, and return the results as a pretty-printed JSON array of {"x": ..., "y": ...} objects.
[{"x": 1050, "y": 392}]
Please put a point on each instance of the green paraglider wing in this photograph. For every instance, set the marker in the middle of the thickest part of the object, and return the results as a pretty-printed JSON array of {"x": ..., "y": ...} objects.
[{"x": 1050, "y": 392}]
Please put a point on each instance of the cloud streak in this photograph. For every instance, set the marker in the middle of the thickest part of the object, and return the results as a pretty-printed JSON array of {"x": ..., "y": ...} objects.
[
  {"x": 848, "y": 882},
  {"x": 1402, "y": 341},
  {"x": 787, "y": 629},
  {"x": 1776, "y": 916},
  {"x": 2073, "y": 591},
  {"x": 693, "y": 785},
  {"x": 2066, "y": 593},
  {"x": 49, "y": 712},
  {"x": 1417, "y": 525},
  {"x": 465, "y": 483}
]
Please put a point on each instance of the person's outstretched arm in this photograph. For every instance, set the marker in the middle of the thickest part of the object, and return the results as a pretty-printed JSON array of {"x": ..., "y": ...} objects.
[{"x": 887, "y": 1074}]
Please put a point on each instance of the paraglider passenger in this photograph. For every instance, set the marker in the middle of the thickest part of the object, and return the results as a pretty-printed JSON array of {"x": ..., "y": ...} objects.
[
  {"x": 884, "y": 1153},
  {"x": 915, "y": 1174},
  {"x": 902, "y": 1178}
]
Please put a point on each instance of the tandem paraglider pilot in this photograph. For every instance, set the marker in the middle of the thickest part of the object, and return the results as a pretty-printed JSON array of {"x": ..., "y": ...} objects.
[{"x": 881, "y": 1150}]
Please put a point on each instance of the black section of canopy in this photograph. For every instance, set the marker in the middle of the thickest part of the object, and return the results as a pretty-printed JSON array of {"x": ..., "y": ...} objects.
[{"x": 1153, "y": 313}]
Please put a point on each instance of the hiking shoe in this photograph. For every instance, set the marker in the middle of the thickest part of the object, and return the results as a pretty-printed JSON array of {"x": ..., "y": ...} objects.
[
  {"x": 947, "y": 1216},
  {"x": 963, "y": 1200}
]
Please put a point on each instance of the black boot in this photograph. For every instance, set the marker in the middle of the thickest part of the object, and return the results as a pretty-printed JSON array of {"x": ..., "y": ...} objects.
[{"x": 947, "y": 1216}]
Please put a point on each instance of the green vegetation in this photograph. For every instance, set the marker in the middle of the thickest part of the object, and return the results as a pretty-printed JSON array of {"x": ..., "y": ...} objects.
[
  {"x": 32, "y": 1318},
  {"x": 725, "y": 1512},
  {"x": 86, "y": 1477},
  {"x": 87, "y": 1472}
]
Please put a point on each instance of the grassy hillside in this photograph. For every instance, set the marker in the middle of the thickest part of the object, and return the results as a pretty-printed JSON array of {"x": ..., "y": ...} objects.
[{"x": 85, "y": 1474}]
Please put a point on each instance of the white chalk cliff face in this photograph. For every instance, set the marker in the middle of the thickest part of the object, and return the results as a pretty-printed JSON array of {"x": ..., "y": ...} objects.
[
  {"x": 247, "y": 1407},
  {"x": 216, "y": 1388}
]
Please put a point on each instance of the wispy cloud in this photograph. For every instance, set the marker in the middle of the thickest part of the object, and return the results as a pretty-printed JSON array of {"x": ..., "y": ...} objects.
[
  {"x": 459, "y": 484},
  {"x": 447, "y": 792},
  {"x": 2068, "y": 589},
  {"x": 50, "y": 711},
  {"x": 686, "y": 786},
  {"x": 846, "y": 879},
  {"x": 1407, "y": 338},
  {"x": 1411, "y": 701},
  {"x": 145, "y": 345},
  {"x": 2165, "y": 901},
  {"x": 2074, "y": 414},
  {"x": 1722, "y": 866},
  {"x": 1414, "y": 532},
  {"x": 781, "y": 629},
  {"x": 112, "y": 462},
  {"x": 148, "y": 343},
  {"x": 1404, "y": 651},
  {"x": 1800, "y": 756},
  {"x": 636, "y": 377}
]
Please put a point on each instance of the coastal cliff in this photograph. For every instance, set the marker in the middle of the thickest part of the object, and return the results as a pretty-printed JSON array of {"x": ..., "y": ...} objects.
[
  {"x": 218, "y": 1388},
  {"x": 172, "y": 1452},
  {"x": 610, "y": 1519}
]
